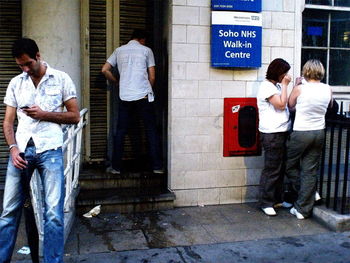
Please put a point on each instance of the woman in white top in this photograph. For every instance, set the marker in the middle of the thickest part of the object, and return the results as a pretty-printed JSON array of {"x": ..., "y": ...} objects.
[
  {"x": 274, "y": 124},
  {"x": 310, "y": 99}
]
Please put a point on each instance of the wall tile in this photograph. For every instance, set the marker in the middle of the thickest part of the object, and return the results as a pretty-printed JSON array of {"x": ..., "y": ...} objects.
[
  {"x": 185, "y": 15},
  {"x": 186, "y": 198},
  {"x": 209, "y": 89},
  {"x": 204, "y": 16},
  {"x": 231, "y": 195},
  {"x": 197, "y": 71},
  {"x": 179, "y": 34},
  {"x": 185, "y": 52},
  {"x": 184, "y": 89},
  {"x": 283, "y": 20},
  {"x": 198, "y": 34},
  {"x": 208, "y": 196}
]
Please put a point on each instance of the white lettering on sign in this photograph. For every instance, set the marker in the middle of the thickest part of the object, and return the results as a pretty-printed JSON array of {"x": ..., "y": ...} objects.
[
  {"x": 237, "y": 44},
  {"x": 228, "y": 33},
  {"x": 244, "y": 33},
  {"x": 251, "y": 34},
  {"x": 230, "y": 54}
]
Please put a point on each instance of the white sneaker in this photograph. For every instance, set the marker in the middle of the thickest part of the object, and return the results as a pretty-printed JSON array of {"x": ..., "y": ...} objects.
[
  {"x": 293, "y": 211},
  {"x": 317, "y": 196},
  {"x": 269, "y": 211},
  {"x": 112, "y": 171}
]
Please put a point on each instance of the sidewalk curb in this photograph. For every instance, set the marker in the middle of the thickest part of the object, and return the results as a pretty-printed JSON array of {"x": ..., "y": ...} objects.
[{"x": 332, "y": 219}]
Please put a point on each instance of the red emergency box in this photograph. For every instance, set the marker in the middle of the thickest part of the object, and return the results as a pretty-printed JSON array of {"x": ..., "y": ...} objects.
[{"x": 241, "y": 134}]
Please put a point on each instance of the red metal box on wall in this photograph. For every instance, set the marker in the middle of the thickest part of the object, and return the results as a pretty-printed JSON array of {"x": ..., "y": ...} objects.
[{"x": 241, "y": 134}]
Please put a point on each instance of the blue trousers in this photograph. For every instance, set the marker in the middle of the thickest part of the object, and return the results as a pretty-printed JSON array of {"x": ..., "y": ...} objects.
[
  {"x": 146, "y": 110},
  {"x": 50, "y": 167}
]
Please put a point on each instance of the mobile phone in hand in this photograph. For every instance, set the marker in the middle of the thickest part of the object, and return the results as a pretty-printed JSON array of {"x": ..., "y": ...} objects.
[
  {"x": 22, "y": 155},
  {"x": 24, "y": 107}
]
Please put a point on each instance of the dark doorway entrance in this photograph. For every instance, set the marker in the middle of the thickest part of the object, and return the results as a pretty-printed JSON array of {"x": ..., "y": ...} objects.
[
  {"x": 150, "y": 16},
  {"x": 136, "y": 188}
]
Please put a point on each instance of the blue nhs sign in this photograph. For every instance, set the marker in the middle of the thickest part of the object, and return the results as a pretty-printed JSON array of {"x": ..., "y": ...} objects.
[
  {"x": 237, "y": 5},
  {"x": 236, "y": 39}
]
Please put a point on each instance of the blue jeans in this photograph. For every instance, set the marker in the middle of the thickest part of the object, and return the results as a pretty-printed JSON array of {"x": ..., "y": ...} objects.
[
  {"x": 50, "y": 167},
  {"x": 146, "y": 110}
]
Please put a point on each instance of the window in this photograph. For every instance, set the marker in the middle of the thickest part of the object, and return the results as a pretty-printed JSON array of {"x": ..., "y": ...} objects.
[
  {"x": 329, "y": 2},
  {"x": 326, "y": 36}
]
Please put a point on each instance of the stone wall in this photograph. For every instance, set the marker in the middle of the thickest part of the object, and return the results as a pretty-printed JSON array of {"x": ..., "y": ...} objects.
[{"x": 198, "y": 172}]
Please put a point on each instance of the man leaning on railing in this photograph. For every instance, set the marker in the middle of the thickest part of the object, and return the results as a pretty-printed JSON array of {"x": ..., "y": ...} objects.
[{"x": 38, "y": 97}]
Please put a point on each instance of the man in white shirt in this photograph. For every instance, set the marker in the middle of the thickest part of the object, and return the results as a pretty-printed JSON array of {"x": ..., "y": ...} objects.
[
  {"x": 37, "y": 97},
  {"x": 136, "y": 67}
]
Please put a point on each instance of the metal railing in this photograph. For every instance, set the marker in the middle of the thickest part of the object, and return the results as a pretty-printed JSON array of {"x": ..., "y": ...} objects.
[
  {"x": 72, "y": 152},
  {"x": 334, "y": 170}
]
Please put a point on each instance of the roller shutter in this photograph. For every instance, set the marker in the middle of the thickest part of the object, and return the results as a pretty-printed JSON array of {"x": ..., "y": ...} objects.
[
  {"x": 98, "y": 92},
  {"x": 134, "y": 14},
  {"x": 10, "y": 30}
]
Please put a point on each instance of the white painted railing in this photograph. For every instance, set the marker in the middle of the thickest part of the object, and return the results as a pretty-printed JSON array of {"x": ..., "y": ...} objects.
[{"x": 72, "y": 152}]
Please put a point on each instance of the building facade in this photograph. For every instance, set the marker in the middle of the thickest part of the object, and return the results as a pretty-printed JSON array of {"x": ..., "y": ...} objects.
[{"x": 77, "y": 37}]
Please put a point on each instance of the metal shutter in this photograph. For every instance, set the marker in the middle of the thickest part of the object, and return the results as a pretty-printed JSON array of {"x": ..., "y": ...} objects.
[
  {"x": 98, "y": 92},
  {"x": 10, "y": 30},
  {"x": 133, "y": 14}
]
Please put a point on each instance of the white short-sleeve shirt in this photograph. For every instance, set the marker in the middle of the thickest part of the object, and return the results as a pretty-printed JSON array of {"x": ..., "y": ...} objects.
[
  {"x": 54, "y": 89},
  {"x": 133, "y": 61},
  {"x": 271, "y": 119}
]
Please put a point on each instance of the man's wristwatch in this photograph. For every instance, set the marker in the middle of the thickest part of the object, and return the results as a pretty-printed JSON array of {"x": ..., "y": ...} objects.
[{"x": 12, "y": 145}]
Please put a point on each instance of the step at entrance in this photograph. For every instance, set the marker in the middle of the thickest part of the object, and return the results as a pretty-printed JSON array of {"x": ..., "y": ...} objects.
[{"x": 123, "y": 193}]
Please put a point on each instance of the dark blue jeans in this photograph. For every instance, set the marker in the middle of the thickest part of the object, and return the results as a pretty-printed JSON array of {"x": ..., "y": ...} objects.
[
  {"x": 145, "y": 109},
  {"x": 50, "y": 167}
]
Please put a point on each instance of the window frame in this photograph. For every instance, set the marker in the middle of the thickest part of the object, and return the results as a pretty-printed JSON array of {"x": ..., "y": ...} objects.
[{"x": 331, "y": 8}]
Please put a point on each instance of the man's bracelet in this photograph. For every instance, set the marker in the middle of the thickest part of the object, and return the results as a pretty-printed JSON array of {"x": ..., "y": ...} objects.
[{"x": 12, "y": 145}]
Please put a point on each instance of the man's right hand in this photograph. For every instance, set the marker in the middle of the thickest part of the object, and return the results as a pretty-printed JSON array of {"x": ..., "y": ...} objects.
[{"x": 17, "y": 160}]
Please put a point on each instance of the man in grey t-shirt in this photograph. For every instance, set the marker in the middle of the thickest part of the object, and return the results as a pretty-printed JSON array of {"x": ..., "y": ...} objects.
[{"x": 136, "y": 67}]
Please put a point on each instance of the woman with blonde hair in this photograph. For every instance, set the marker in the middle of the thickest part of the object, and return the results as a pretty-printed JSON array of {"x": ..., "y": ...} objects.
[{"x": 310, "y": 98}]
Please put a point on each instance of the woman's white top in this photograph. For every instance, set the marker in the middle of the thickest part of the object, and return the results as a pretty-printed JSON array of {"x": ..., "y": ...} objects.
[
  {"x": 271, "y": 119},
  {"x": 311, "y": 106}
]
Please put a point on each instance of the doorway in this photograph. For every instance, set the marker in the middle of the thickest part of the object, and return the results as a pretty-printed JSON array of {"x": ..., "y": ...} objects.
[{"x": 109, "y": 25}]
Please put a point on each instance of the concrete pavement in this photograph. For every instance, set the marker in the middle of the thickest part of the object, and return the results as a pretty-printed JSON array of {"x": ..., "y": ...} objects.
[
  {"x": 321, "y": 248},
  {"x": 224, "y": 233}
]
